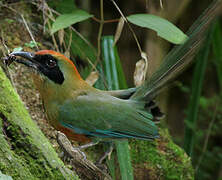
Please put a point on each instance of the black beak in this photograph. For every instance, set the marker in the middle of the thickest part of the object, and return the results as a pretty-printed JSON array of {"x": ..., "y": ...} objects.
[
  {"x": 29, "y": 58},
  {"x": 26, "y": 55}
]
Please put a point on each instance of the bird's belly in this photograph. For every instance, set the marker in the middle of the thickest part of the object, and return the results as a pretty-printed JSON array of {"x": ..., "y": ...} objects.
[{"x": 72, "y": 135}]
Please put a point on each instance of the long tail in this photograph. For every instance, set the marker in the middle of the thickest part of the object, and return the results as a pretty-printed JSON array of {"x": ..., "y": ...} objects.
[{"x": 180, "y": 56}]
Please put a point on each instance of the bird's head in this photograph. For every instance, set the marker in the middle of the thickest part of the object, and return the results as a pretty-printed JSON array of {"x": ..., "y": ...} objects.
[
  {"x": 52, "y": 66},
  {"x": 57, "y": 75}
]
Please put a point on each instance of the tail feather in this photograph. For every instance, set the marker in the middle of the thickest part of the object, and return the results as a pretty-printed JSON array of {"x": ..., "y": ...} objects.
[
  {"x": 154, "y": 109},
  {"x": 180, "y": 56}
]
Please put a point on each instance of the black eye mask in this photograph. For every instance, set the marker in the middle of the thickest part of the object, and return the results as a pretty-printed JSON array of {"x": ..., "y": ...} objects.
[
  {"x": 48, "y": 66},
  {"x": 45, "y": 64}
]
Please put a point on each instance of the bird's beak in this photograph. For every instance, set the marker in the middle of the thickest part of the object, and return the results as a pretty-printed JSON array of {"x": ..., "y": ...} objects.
[{"x": 28, "y": 61}]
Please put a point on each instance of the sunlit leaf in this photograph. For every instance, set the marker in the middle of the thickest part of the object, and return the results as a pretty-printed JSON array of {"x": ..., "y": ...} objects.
[
  {"x": 32, "y": 44},
  {"x": 164, "y": 28},
  {"x": 17, "y": 49},
  {"x": 65, "y": 20}
]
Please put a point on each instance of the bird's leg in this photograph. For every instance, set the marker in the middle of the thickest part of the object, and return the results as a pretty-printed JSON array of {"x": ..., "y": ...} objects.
[
  {"x": 79, "y": 148},
  {"x": 93, "y": 143},
  {"x": 106, "y": 154}
]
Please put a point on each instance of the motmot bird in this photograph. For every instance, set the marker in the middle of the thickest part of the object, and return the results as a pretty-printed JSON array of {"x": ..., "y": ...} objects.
[{"x": 83, "y": 112}]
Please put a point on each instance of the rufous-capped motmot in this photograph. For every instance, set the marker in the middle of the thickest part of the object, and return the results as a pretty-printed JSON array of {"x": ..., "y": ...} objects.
[{"x": 83, "y": 112}]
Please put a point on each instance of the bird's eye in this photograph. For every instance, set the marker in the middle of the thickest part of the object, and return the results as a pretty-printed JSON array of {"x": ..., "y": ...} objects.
[{"x": 51, "y": 63}]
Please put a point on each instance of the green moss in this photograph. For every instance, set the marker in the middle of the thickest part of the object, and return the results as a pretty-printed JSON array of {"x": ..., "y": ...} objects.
[
  {"x": 10, "y": 164},
  {"x": 162, "y": 158},
  {"x": 24, "y": 151}
]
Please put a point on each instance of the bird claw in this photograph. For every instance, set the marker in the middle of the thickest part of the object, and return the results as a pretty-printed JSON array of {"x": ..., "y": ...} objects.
[{"x": 81, "y": 152}]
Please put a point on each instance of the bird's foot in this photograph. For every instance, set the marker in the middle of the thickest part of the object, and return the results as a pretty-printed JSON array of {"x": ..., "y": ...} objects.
[
  {"x": 84, "y": 147},
  {"x": 93, "y": 143},
  {"x": 105, "y": 155},
  {"x": 81, "y": 152}
]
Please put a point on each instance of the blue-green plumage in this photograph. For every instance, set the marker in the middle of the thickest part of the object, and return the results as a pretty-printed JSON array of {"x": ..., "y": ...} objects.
[{"x": 102, "y": 115}]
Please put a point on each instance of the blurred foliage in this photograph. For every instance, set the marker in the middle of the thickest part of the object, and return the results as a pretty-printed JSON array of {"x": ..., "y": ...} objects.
[
  {"x": 211, "y": 114},
  {"x": 197, "y": 82},
  {"x": 63, "y": 6},
  {"x": 207, "y": 147}
]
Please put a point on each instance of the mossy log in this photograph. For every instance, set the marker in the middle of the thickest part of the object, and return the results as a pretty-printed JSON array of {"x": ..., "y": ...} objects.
[
  {"x": 25, "y": 153},
  {"x": 160, "y": 159}
]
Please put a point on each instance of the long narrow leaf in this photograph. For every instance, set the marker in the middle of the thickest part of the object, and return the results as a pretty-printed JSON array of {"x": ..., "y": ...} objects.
[
  {"x": 124, "y": 159},
  {"x": 197, "y": 82},
  {"x": 217, "y": 46},
  {"x": 115, "y": 79}
]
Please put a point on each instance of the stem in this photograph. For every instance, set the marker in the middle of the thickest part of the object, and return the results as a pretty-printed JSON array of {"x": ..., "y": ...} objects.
[
  {"x": 100, "y": 31},
  {"x": 29, "y": 31},
  {"x": 105, "y": 21},
  {"x": 131, "y": 29}
]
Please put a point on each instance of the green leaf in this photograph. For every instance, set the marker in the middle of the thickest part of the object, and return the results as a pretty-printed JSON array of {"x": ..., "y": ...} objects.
[
  {"x": 17, "y": 49},
  {"x": 63, "y": 6},
  {"x": 115, "y": 79},
  {"x": 164, "y": 28},
  {"x": 32, "y": 44},
  {"x": 123, "y": 154},
  {"x": 65, "y": 20},
  {"x": 197, "y": 82},
  {"x": 217, "y": 46}
]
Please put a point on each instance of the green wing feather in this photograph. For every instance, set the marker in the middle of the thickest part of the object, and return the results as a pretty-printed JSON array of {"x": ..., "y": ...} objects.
[{"x": 103, "y": 115}]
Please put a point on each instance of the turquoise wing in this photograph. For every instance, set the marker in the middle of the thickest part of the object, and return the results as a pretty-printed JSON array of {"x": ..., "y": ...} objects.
[{"x": 102, "y": 115}]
